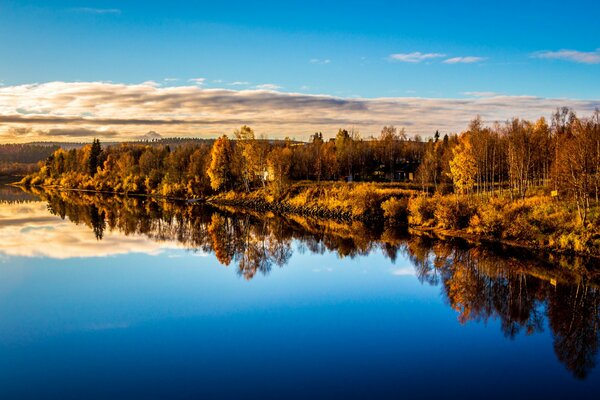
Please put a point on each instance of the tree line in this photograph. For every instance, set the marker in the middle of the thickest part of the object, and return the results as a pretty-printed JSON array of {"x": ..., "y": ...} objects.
[
  {"x": 242, "y": 163},
  {"x": 562, "y": 155}
]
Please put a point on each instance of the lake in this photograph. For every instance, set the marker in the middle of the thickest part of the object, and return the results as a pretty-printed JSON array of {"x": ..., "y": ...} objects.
[{"x": 115, "y": 297}]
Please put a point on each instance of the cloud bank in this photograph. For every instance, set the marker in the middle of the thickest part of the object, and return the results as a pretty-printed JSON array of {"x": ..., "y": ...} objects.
[{"x": 83, "y": 110}]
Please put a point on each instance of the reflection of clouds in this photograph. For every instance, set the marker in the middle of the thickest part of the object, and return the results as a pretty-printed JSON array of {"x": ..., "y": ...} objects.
[
  {"x": 404, "y": 271},
  {"x": 28, "y": 230}
]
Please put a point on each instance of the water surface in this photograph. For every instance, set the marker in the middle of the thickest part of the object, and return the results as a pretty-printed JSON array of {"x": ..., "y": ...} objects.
[{"x": 112, "y": 297}]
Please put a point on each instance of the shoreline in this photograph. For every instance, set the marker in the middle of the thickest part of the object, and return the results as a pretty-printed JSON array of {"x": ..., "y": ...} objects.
[
  {"x": 251, "y": 202},
  {"x": 476, "y": 239}
]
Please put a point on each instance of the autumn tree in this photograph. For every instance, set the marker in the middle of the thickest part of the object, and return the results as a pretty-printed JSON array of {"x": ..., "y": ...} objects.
[
  {"x": 519, "y": 156},
  {"x": 576, "y": 163},
  {"x": 220, "y": 168},
  {"x": 388, "y": 142},
  {"x": 279, "y": 163},
  {"x": 344, "y": 152},
  {"x": 250, "y": 156},
  {"x": 317, "y": 156},
  {"x": 463, "y": 166}
]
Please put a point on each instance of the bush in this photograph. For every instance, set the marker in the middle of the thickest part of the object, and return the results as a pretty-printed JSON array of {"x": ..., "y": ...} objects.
[
  {"x": 364, "y": 200},
  {"x": 395, "y": 210},
  {"x": 489, "y": 218},
  {"x": 453, "y": 212},
  {"x": 580, "y": 242},
  {"x": 421, "y": 211}
]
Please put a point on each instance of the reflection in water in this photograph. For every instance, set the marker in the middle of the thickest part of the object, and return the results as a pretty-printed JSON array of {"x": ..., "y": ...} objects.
[{"x": 479, "y": 283}]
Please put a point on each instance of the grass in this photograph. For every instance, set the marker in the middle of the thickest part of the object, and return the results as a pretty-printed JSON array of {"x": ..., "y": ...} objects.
[{"x": 537, "y": 221}]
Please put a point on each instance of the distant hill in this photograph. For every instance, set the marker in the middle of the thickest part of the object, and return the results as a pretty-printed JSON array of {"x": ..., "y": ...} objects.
[{"x": 26, "y": 153}]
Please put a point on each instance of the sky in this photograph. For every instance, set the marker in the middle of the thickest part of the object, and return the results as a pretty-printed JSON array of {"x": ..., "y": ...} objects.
[{"x": 119, "y": 70}]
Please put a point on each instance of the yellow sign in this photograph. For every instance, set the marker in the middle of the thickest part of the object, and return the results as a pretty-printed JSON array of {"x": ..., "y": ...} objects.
[{"x": 554, "y": 193}]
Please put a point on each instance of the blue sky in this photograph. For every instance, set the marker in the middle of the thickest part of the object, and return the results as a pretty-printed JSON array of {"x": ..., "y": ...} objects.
[{"x": 366, "y": 50}]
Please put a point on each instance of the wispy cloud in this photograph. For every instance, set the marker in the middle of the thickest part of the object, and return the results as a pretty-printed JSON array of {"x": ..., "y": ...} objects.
[
  {"x": 481, "y": 94},
  {"x": 197, "y": 81},
  {"x": 171, "y": 79},
  {"x": 320, "y": 61},
  {"x": 268, "y": 86},
  {"x": 583, "y": 57},
  {"x": 239, "y": 83},
  {"x": 415, "y": 57},
  {"x": 77, "y": 109},
  {"x": 97, "y": 11},
  {"x": 464, "y": 60},
  {"x": 403, "y": 271}
]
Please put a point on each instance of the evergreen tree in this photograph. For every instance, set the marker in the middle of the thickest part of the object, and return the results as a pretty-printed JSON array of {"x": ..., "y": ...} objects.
[{"x": 93, "y": 161}]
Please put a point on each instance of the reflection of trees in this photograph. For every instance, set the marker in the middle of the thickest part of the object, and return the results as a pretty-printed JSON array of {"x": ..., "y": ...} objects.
[
  {"x": 480, "y": 283},
  {"x": 97, "y": 221},
  {"x": 14, "y": 195},
  {"x": 221, "y": 236},
  {"x": 574, "y": 314}
]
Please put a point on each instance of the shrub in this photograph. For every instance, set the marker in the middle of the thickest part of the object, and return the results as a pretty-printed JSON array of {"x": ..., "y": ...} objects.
[
  {"x": 453, "y": 212},
  {"x": 421, "y": 211},
  {"x": 395, "y": 210},
  {"x": 489, "y": 218},
  {"x": 520, "y": 227},
  {"x": 363, "y": 200}
]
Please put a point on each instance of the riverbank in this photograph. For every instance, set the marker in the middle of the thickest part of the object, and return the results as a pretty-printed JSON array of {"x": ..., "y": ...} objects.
[
  {"x": 338, "y": 200},
  {"x": 537, "y": 222}
]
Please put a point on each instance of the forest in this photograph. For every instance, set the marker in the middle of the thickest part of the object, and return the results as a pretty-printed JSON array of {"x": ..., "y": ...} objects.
[
  {"x": 22, "y": 159},
  {"x": 530, "y": 181}
]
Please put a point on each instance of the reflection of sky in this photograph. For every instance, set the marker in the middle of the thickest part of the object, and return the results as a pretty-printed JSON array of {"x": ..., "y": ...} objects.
[
  {"x": 29, "y": 230},
  {"x": 154, "y": 320}
]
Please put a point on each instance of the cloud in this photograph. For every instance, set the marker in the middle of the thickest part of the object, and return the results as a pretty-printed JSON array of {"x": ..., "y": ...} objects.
[
  {"x": 197, "y": 81},
  {"x": 171, "y": 79},
  {"x": 320, "y": 61},
  {"x": 464, "y": 60},
  {"x": 195, "y": 111},
  {"x": 583, "y": 57},
  {"x": 97, "y": 11},
  {"x": 268, "y": 86},
  {"x": 403, "y": 271},
  {"x": 415, "y": 57},
  {"x": 239, "y": 83},
  {"x": 481, "y": 94},
  {"x": 15, "y": 131},
  {"x": 79, "y": 133}
]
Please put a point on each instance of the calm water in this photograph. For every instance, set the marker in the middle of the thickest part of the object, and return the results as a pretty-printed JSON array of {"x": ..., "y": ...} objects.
[{"x": 106, "y": 297}]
